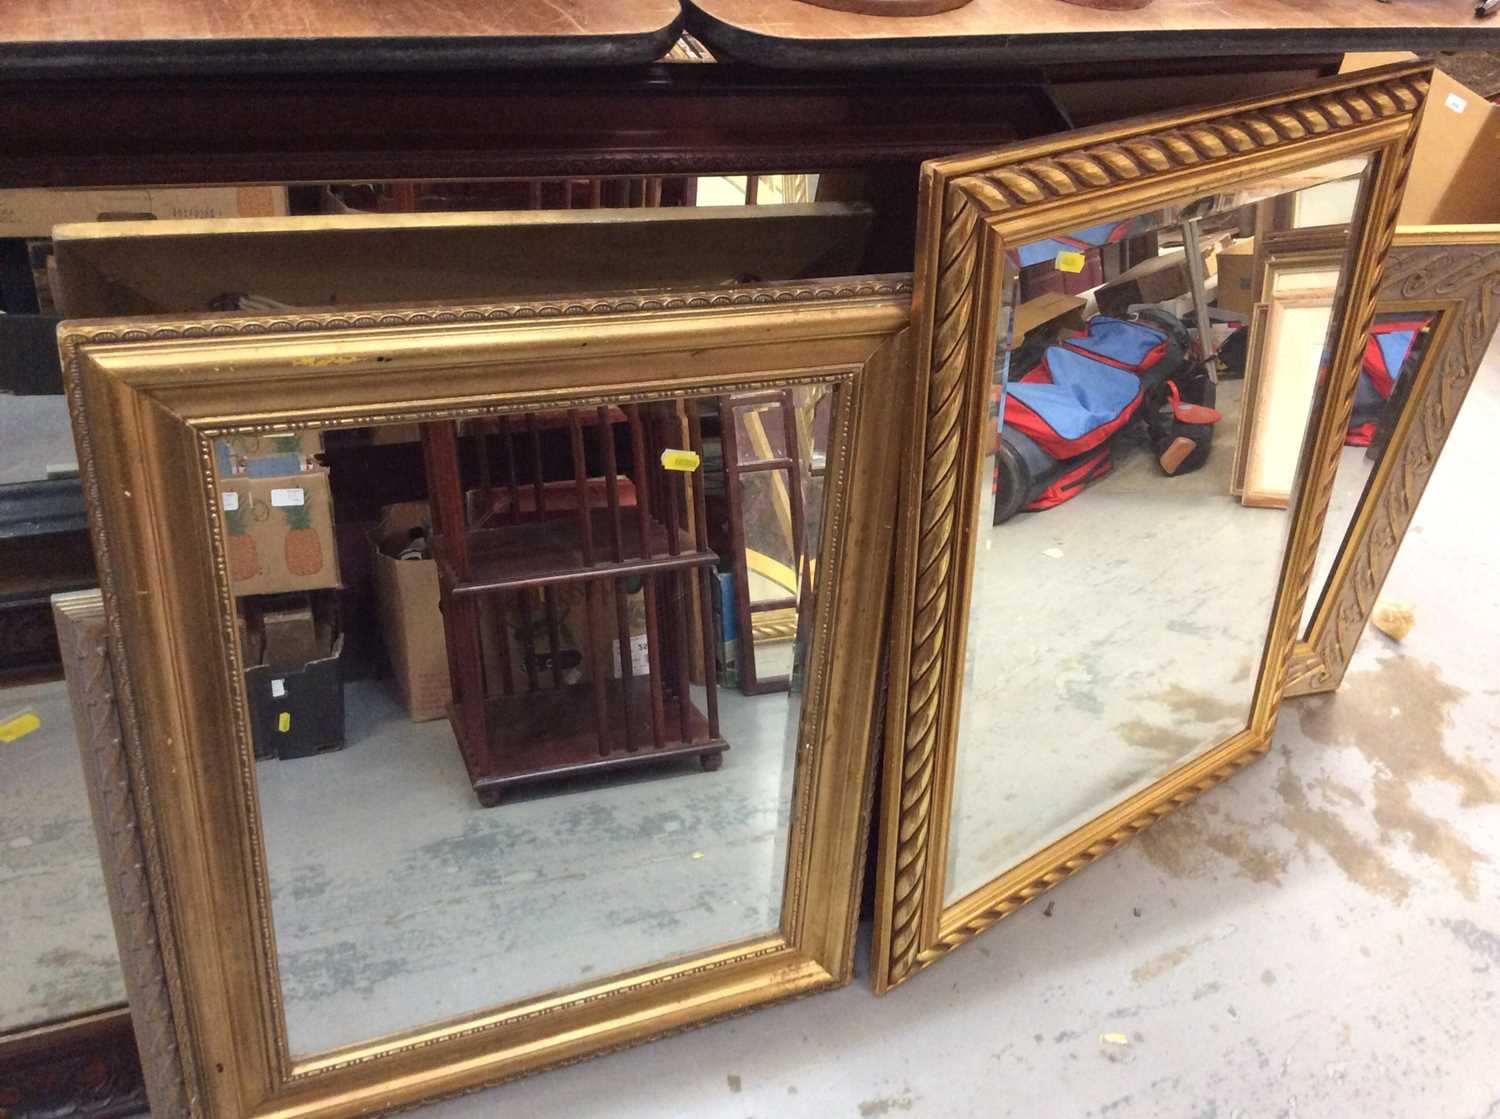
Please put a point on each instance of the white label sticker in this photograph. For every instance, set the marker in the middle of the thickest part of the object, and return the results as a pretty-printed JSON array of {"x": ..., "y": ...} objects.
[
  {"x": 1455, "y": 102},
  {"x": 640, "y": 657},
  {"x": 291, "y": 496},
  {"x": 278, "y": 689},
  {"x": 231, "y": 501}
]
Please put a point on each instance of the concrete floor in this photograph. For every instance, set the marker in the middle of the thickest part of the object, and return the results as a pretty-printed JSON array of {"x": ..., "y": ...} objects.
[
  {"x": 1318, "y": 937},
  {"x": 1110, "y": 639},
  {"x": 398, "y": 901},
  {"x": 57, "y": 943}
]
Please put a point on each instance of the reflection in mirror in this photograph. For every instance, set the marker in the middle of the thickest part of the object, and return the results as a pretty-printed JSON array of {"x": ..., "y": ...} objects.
[
  {"x": 503, "y": 746},
  {"x": 1393, "y": 354},
  {"x": 59, "y": 959},
  {"x": 1124, "y": 579}
]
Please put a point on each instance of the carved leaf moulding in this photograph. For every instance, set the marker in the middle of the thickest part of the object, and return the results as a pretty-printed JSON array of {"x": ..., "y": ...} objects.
[{"x": 1440, "y": 273}]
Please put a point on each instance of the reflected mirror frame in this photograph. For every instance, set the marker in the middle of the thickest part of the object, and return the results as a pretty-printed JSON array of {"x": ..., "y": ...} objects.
[
  {"x": 1452, "y": 272},
  {"x": 148, "y": 396},
  {"x": 972, "y": 208}
]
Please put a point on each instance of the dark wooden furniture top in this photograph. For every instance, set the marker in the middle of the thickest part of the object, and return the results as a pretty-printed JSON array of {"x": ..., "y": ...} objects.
[
  {"x": 790, "y": 33},
  {"x": 160, "y": 36}
]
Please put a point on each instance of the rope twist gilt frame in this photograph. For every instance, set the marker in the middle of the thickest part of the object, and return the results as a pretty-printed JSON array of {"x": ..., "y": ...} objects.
[
  {"x": 972, "y": 207},
  {"x": 1455, "y": 272}
]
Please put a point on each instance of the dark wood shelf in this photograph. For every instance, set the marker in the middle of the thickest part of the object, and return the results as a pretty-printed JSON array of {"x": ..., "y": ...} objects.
[
  {"x": 551, "y": 551},
  {"x": 546, "y": 734}
]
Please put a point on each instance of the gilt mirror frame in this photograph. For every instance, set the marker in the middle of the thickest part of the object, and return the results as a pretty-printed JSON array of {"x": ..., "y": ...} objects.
[
  {"x": 148, "y": 396},
  {"x": 1453, "y": 273},
  {"x": 972, "y": 209}
]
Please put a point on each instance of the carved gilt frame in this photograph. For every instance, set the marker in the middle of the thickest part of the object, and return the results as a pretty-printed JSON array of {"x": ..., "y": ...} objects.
[
  {"x": 1454, "y": 273},
  {"x": 147, "y": 398},
  {"x": 972, "y": 209}
]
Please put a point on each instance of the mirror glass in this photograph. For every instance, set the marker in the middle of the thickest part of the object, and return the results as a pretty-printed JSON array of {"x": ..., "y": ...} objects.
[
  {"x": 491, "y": 666},
  {"x": 1152, "y": 391},
  {"x": 1393, "y": 355},
  {"x": 59, "y": 959}
]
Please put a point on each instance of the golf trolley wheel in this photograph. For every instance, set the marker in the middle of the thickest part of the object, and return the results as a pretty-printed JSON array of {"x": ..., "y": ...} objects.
[{"x": 1012, "y": 481}]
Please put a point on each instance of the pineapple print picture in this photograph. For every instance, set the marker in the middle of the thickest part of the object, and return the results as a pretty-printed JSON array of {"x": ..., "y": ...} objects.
[
  {"x": 304, "y": 551},
  {"x": 244, "y": 561}
]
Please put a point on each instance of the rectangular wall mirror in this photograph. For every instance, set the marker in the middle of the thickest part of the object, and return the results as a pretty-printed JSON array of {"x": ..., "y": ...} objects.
[
  {"x": 1436, "y": 316},
  {"x": 1093, "y": 611},
  {"x": 559, "y": 823},
  {"x": 1433, "y": 324}
]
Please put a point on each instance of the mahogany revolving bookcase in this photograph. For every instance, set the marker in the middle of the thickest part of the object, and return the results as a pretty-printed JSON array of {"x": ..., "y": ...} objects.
[{"x": 574, "y": 606}]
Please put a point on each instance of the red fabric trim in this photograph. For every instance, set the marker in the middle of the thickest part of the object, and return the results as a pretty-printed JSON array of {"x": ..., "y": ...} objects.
[
  {"x": 1374, "y": 368},
  {"x": 1153, "y": 355},
  {"x": 1395, "y": 325},
  {"x": 1071, "y": 483},
  {"x": 1024, "y": 420},
  {"x": 1360, "y": 435}
]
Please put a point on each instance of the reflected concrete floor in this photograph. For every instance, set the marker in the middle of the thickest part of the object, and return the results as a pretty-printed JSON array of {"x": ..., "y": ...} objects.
[
  {"x": 57, "y": 943},
  {"x": 1349, "y": 482},
  {"x": 1320, "y": 936},
  {"x": 398, "y": 901},
  {"x": 1110, "y": 639}
]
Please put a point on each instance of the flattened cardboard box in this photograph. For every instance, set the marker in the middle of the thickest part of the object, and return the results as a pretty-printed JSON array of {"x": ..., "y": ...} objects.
[
  {"x": 32, "y": 212},
  {"x": 278, "y": 533}
]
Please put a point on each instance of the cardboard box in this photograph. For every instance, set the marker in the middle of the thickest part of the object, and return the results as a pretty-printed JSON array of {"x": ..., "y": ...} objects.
[
  {"x": 1237, "y": 277},
  {"x": 32, "y": 212},
  {"x": 289, "y": 632},
  {"x": 278, "y": 533},
  {"x": 1156, "y": 280},
  {"x": 1456, "y": 161},
  {"x": 410, "y": 618},
  {"x": 298, "y": 710},
  {"x": 1050, "y": 307},
  {"x": 269, "y": 456},
  {"x": 585, "y": 638}
]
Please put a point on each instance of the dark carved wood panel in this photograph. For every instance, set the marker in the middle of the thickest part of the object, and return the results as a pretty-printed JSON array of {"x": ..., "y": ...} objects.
[
  {"x": 668, "y": 119},
  {"x": 86, "y": 1068}
]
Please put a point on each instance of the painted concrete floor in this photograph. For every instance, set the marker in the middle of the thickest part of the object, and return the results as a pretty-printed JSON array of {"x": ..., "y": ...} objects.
[
  {"x": 1318, "y": 937},
  {"x": 398, "y": 901},
  {"x": 1110, "y": 640}
]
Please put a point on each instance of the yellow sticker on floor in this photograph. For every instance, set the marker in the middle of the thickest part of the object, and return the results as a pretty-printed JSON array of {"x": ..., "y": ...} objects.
[
  {"x": 680, "y": 460},
  {"x": 1068, "y": 261},
  {"x": 284, "y": 722},
  {"x": 19, "y": 726}
]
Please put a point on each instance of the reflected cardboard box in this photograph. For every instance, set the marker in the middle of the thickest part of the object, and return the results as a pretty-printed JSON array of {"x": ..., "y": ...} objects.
[
  {"x": 411, "y": 621},
  {"x": 292, "y": 647},
  {"x": 268, "y": 456},
  {"x": 583, "y": 616},
  {"x": 278, "y": 533},
  {"x": 1237, "y": 277},
  {"x": 32, "y": 212}
]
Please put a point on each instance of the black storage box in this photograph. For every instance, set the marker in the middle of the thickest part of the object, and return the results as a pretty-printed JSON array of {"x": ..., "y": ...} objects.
[{"x": 299, "y": 712}]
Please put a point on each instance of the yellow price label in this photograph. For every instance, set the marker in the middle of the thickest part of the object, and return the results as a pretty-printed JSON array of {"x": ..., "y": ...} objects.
[
  {"x": 19, "y": 726},
  {"x": 284, "y": 722},
  {"x": 1069, "y": 261},
  {"x": 686, "y": 461}
]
